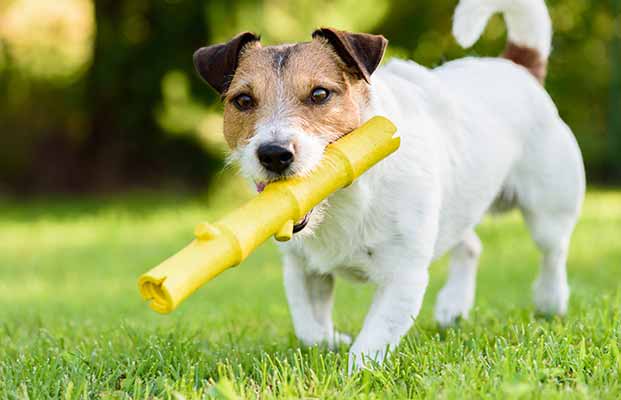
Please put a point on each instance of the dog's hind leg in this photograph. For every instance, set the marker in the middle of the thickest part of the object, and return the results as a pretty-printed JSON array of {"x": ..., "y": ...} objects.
[
  {"x": 550, "y": 184},
  {"x": 551, "y": 232},
  {"x": 456, "y": 298}
]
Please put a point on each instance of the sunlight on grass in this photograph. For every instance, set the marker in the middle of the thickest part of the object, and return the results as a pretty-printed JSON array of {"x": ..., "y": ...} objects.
[{"x": 74, "y": 325}]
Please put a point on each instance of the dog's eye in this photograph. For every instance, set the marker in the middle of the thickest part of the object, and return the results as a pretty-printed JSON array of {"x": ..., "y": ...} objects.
[
  {"x": 319, "y": 95},
  {"x": 243, "y": 102}
]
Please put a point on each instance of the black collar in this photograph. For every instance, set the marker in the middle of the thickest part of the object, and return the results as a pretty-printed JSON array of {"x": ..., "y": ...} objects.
[{"x": 302, "y": 224}]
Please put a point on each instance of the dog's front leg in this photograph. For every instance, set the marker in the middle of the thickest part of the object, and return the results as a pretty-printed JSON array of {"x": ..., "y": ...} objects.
[
  {"x": 396, "y": 303},
  {"x": 310, "y": 298}
]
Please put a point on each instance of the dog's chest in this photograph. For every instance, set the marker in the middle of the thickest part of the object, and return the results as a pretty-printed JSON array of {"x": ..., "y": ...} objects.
[
  {"x": 347, "y": 259},
  {"x": 345, "y": 241}
]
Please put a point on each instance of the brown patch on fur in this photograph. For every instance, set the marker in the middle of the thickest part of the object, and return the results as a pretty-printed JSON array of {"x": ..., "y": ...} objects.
[
  {"x": 529, "y": 58},
  {"x": 361, "y": 51},
  {"x": 281, "y": 78},
  {"x": 216, "y": 64}
]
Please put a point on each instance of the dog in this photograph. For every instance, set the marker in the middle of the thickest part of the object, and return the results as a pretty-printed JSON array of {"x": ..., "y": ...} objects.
[{"x": 478, "y": 135}]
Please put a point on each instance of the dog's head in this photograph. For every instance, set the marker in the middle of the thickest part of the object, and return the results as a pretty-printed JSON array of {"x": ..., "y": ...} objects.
[{"x": 284, "y": 104}]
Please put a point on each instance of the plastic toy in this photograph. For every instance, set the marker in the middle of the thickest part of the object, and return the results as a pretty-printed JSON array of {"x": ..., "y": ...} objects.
[{"x": 229, "y": 241}]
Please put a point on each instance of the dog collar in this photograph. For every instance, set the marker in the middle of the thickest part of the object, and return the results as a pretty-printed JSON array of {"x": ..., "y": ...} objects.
[{"x": 302, "y": 224}]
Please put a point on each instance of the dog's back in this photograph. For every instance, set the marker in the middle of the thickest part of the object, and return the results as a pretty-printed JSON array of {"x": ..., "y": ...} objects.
[{"x": 485, "y": 127}]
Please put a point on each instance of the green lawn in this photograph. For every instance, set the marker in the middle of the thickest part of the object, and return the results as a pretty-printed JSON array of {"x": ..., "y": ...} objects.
[{"x": 72, "y": 324}]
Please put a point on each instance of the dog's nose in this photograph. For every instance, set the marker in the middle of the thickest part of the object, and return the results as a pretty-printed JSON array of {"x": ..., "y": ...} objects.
[{"x": 274, "y": 157}]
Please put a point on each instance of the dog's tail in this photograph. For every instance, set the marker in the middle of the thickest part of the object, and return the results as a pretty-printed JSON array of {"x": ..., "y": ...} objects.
[{"x": 528, "y": 24}]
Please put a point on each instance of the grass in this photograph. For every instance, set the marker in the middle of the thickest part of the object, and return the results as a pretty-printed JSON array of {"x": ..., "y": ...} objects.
[{"x": 73, "y": 326}]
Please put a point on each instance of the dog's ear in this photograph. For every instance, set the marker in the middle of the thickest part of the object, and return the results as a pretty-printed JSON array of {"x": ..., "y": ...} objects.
[
  {"x": 216, "y": 64},
  {"x": 360, "y": 51}
]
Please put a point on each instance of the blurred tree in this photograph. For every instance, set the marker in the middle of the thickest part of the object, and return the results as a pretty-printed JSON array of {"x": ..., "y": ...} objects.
[
  {"x": 296, "y": 19},
  {"x": 137, "y": 43},
  {"x": 98, "y": 130},
  {"x": 39, "y": 93},
  {"x": 615, "y": 96},
  {"x": 102, "y": 94}
]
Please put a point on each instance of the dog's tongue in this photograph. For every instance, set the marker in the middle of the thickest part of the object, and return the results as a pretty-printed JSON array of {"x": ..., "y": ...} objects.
[{"x": 260, "y": 186}]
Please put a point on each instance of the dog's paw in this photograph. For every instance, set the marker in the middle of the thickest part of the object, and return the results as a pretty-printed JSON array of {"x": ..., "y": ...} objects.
[
  {"x": 333, "y": 341},
  {"x": 452, "y": 305},
  {"x": 355, "y": 363},
  {"x": 359, "y": 359},
  {"x": 551, "y": 298},
  {"x": 339, "y": 339}
]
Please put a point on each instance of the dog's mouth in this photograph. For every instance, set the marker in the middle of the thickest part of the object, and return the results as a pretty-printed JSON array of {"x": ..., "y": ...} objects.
[{"x": 301, "y": 224}]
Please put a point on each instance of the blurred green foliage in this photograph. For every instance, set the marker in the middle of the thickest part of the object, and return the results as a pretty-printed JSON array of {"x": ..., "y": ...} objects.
[{"x": 101, "y": 94}]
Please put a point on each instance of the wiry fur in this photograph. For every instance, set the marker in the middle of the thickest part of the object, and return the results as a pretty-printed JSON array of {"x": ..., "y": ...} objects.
[
  {"x": 280, "y": 79},
  {"x": 475, "y": 133}
]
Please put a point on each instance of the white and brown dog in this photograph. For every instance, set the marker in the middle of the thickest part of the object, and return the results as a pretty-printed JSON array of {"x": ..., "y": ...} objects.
[{"x": 477, "y": 134}]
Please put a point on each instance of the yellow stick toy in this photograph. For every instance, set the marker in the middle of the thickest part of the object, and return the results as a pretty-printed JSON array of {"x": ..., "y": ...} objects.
[{"x": 273, "y": 212}]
